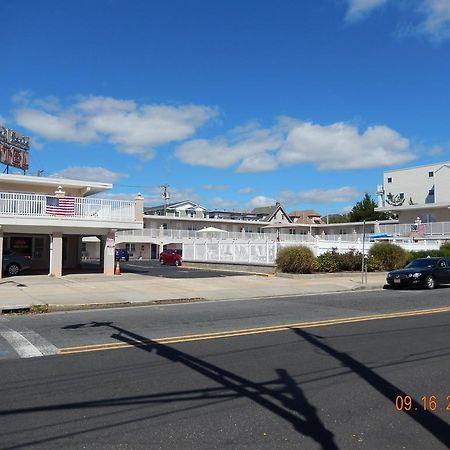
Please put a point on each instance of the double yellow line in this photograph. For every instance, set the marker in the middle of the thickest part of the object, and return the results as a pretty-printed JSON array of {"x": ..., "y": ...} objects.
[{"x": 247, "y": 331}]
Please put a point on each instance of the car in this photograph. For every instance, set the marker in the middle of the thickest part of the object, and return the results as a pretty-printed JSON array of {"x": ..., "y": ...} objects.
[
  {"x": 426, "y": 272},
  {"x": 122, "y": 254},
  {"x": 171, "y": 256},
  {"x": 13, "y": 263}
]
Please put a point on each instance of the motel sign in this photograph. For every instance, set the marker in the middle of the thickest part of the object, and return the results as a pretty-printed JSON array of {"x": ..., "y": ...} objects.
[{"x": 14, "y": 148}]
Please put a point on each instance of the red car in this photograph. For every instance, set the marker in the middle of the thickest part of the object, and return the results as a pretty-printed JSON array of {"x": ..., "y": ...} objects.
[{"x": 170, "y": 257}]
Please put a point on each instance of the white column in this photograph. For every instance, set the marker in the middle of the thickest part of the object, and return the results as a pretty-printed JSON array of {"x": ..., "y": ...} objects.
[
  {"x": 1, "y": 251},
  {"x": 108, "y": 244},
  {"x": 56, "y": 244}
]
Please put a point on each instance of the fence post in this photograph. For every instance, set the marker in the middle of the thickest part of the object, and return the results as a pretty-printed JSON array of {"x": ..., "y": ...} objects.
[
  {"x": 218, "y": 250},
  {"x": 206, "y": 251},
  {"x": 249, "y": 251},
  {"x": 267, "y": 252}
]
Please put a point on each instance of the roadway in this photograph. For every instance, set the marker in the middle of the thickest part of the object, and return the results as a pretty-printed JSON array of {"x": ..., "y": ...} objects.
[{"x": 317, "y": 374}]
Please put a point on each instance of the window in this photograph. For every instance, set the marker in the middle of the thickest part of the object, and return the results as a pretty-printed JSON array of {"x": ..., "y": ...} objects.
[
  {"x": 130, "y": 247},
  {"x": 389, "y": 180},
  {"x": 431, "y": 174}
]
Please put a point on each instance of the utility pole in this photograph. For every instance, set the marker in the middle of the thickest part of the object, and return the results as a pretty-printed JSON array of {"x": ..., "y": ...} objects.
[
  {"x": 165, "y": 196},
  {"x": 363, "y": 258}
]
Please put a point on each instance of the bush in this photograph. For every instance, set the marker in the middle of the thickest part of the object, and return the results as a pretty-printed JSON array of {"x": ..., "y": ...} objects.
[
  {"x": 374, "y": 264},
  {"x": 326, "y": 262},
  {"x": 298, "y": 259},
  {"x": 391, "y": 256},
  {"x": 349, "y": 261},
  {"x": 445, "y": 249},
  {"x": 423, "y": 254},
  {"x": 332, "y": 261}
]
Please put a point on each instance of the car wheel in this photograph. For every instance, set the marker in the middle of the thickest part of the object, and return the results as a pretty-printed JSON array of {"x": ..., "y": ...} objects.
[
  {"x": 429, "y": 282},
  {"x": 13, "y": 269},
  {"x": 161, "y": 261}
]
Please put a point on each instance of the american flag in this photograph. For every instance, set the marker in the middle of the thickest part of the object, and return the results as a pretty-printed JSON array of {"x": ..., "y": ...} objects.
[{"x": 60, "y": 206}]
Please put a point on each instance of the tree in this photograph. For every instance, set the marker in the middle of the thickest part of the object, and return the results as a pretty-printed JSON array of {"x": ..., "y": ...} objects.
[
  {"x": 365, "y": 210},
  {"x": 335, "y": 218}
]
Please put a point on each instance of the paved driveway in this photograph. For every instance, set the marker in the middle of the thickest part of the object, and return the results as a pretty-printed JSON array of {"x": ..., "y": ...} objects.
[{"x": 154, "y": 269}]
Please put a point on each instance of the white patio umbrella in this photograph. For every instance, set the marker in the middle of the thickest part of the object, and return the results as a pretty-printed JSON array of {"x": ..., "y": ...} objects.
[{"x": 212, "y": 232}]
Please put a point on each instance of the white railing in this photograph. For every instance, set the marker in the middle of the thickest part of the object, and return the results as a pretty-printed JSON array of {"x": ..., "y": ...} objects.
[
  {"x": 266, "y": 252},
  {"x": 15, "y": 204},
  {"x": 427, "y": 229}
]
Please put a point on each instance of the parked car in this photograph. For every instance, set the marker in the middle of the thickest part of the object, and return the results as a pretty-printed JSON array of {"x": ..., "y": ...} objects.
[
  {"x": 170, "y": 257},
  {"x": 13, "y": 263},
  {"x": 426, "y": 272},
  {"x": 122, "y": 254}
]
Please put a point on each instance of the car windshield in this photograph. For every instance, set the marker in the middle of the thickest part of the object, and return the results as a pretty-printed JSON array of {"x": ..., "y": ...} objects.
[{"x": 421, "y": 263}]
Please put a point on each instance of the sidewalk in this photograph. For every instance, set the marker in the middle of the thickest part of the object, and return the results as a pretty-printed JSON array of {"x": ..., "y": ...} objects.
[{"x": 81, "y": 291}]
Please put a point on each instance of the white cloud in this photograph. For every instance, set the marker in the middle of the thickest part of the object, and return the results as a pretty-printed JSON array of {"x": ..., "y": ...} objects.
[
  {"x": 359, "y": 8},
  {"x": 246, "y": 190},
  {"x": 118, "y": 196},
  {"x": 215, "y": 187},
  {"x": 65, "y": 127},
  {"x": 260, "y": 201},
  {"x": 258, "y": 163},
  {"x": 153, "y": 196},
  {"x": 222, "y": 203},
  {"x": 437, "y": 18},
  {"x": 430, "y": 17},
  {"x": 338, "y": 195},
  {"x": 341, "y": 147},
  {"x": 435, "y": 150},
  {"x": 247, "y": 146},
  {"x": 132, "y": 128},
  {"x": 337, "y": 146},
  {"x": 90, "y": 174}
]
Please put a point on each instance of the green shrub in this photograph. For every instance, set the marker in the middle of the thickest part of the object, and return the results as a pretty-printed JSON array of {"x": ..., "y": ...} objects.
[
  {"x": 349, "y": 261},
  {"x": 423, "y": 254},
  {"x": 391, "y": 256},
  {"x": 298, "y": 259},
  {"x": 326, "y": 262},
  {"x": 445, "y": 249},
  {"x": 374, "y": 264}
]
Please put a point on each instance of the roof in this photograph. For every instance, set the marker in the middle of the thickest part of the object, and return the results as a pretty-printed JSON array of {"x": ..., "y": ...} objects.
[
  {"x": 91, "y": 187},
  {"x": 305, "y": 212},
  {"x": 173, "y": 206},
  {"x": 265, "y": 210},
  {"x": 269, "y": 212}
]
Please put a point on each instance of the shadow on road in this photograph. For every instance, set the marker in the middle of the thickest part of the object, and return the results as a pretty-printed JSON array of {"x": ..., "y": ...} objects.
[
  {"x": 432, "y": 423},
  {"x": 281, "y": 396}
]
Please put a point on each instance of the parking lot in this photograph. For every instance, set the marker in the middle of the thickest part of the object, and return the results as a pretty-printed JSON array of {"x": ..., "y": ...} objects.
[{"x": 155, "y": 269}]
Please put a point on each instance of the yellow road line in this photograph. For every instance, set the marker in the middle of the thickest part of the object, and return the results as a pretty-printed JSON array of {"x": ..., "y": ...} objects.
[{"x": 247, "y": 331}]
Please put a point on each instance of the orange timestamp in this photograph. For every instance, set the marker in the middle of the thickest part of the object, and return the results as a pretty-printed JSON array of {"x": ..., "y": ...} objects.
[{"x": 428, "y": 403}]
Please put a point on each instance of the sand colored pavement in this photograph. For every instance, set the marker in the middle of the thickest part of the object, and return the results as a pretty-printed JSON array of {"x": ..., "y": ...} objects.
[{"x": 89, "y": 290}]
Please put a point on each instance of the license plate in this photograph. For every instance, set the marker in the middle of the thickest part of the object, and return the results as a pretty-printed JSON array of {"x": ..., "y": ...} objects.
[{"x": 396, "y": 281}]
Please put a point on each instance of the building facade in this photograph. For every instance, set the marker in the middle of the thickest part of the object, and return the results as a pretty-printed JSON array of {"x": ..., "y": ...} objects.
[
  {"x": 417, "y": 194},
  {"x": 46, "y": 219}
]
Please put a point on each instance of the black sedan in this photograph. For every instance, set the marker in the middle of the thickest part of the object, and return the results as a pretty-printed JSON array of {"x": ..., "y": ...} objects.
[{"x": 426, "y": 272}]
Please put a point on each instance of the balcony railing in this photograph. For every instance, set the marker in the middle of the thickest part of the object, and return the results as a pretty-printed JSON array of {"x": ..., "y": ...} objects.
[
  {"x": 14, "y": 204},
  {"x": 436, "y": 230}
]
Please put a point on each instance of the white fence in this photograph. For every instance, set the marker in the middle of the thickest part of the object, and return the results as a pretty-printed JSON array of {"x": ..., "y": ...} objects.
[
  {"x": 266, "y": 252},
  {"x": 35, "y": 205}
]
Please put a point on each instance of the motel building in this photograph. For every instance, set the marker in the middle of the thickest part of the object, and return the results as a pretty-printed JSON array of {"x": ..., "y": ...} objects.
[{"x": 47, "y": 219}]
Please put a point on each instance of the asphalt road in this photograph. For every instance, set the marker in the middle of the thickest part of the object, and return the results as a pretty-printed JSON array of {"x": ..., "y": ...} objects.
[
  {"x": 154, "y": 268},
  {"x": 332, "y": 386}
]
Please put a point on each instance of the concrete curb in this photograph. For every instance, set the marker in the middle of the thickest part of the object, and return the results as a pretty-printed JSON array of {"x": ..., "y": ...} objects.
[{"x": 40, "y": 308}]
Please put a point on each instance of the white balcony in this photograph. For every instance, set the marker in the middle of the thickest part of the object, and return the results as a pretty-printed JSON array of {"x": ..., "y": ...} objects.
[{"x": 18, "y": 205}]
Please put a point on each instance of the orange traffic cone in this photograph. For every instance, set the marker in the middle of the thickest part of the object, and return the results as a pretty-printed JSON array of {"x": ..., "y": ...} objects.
[{"x": 117, "y": 270}]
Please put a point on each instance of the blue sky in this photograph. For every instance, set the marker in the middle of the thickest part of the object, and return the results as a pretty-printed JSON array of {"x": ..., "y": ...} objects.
[{"x": 233, "y": 104}]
